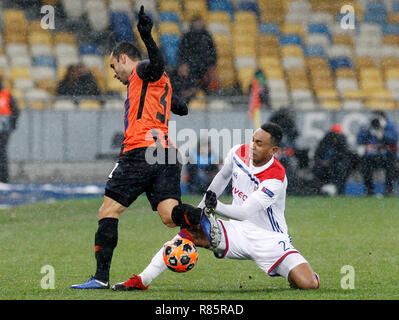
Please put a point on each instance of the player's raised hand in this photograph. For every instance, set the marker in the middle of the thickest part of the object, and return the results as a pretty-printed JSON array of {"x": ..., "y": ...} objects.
[
  {"x": 145, "y": 24},
  {"x": 210, "y": 199}
]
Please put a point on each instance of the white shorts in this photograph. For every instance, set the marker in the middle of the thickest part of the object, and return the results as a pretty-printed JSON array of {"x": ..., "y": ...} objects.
[{"x": 271, "y": 251}]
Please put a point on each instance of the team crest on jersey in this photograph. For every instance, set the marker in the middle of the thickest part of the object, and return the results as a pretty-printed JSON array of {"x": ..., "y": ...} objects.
[
  {"x": 235, "y": 174},
  {"x": 268, "y": 192}
]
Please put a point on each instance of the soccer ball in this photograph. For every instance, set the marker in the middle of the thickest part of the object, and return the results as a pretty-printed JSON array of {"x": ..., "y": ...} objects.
[{"x": 180, "y": 255}]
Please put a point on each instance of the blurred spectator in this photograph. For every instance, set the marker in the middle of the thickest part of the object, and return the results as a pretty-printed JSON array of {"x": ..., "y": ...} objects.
[
  {"x": 263, "y": 89},
  {"x": 182, "y": 84},
  {"x": 202, "y": 167},
  {"x": 378, "y": 150},
  {"x": 288, "y": 154},
  {"x": 198, "y": 50},
  {"x": 9, "y": 113},
  {"x": 333, "y": 161},
  {"x": 78, "y": 81}
]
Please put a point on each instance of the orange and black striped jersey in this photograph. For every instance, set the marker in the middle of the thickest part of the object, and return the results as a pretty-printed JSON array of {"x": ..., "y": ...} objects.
[{"x": 147, "y": 111}]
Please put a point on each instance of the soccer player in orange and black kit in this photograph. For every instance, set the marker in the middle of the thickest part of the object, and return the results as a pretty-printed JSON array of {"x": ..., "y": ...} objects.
[{"x": 147, "y": 111}]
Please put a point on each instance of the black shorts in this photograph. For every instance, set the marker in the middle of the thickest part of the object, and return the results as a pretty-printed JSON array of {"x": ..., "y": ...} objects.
[{"x": 133, "y": 175}]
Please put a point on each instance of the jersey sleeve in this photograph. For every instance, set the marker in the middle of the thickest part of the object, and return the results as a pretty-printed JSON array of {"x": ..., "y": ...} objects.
[{"x": 268, "y": 191}]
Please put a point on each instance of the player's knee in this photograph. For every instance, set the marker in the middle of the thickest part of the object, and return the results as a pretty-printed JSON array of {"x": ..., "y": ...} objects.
[
  {"x": 167, "y": 220},
  {"x": 306, "y": 283}
]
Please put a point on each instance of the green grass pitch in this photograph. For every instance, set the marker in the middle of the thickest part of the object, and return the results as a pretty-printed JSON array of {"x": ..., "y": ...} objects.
[{"x": 331, "y": 233}]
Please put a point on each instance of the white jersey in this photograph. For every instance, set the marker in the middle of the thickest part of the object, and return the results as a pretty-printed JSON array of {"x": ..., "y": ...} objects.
[{"x": 266, "y": 184}]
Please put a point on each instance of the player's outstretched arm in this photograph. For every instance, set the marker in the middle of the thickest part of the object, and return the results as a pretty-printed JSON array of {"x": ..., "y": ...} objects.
[{"x": 152, "y": 70}]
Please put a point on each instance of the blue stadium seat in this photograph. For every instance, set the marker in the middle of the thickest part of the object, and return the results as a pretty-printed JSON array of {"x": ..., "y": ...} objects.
[
  {"x": 270, "y": 28},
  {"x": 249, "y": 6},
  {"x": 390, "y": 28},
  {"x": 375, "y": 12},
  {"x": 340, "y": 62},
  {"x": 289, "y": 39},
  {"x": 166, "y": 16},
  {"x": 122, "y": 26},
  {"x": 395, "y": 6},
  {"x": 44, "y": 61},
  {"x": 221, "y": 5},
  {"x": 319, "y": 28},
  {"x": 88, "y": 48},
  {"x": 170, "y": 47},
  {"x": 315, "y": 51}
]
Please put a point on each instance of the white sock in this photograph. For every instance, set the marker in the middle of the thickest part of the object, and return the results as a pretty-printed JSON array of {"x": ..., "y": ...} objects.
[
  {"x": 155, "y": 268},
  {"x": 221, "y": 248}
]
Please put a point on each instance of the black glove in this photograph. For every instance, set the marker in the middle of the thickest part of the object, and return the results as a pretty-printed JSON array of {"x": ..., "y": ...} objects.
[
  {"x": 210, "y": 199},
  {"x": 144, "y": 25}
]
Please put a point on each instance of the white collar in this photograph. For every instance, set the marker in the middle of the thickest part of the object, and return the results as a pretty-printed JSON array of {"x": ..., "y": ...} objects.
[{"x": 262, "y": 168}]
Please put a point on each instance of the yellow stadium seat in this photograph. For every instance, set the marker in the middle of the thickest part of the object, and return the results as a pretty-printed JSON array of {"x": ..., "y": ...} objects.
[
  {"x": 49, "y": 85},
  {"x": 393, "y": 17},
  {"x": 219, "y": 17},
  {"x": 392, "y": 73},
  {"x": 354, "y": 94},
  {"x": 19, "y": 72},
  {"x": 171, "y": 6},
  {"x": 342, "y": 39},
  {"x": 243, "y": 50},
  {"x": 383, "y": 105},
  {"x": 331, "y": 104},
  {"x": 365, "y": 62},
  {"x": 316, "y": 62},
  {"x": 327, "y": 94},
  {"x": 381, "y": 94},
  {"x": 273, "y": 72},
  {"x": 89, "y": 105},
  {"x": 195, "y": 7},
  {"x": 389, "y": 62},
  {"x": 345, "y": 73},
  {"x": 64, "y": 37},
  {"x": 243, "y": 18},
  {"x": 40, "y": 37},
  {"x": 291, "y": 50},
  {"x": 293, "y": 28},
  {"x": 225, "y": 73},
  {"x": 391, "y": 39},
  {"x": 169, "y": 27},
  {"x": 269, "y": 62},
  {"x": 244, "y": 77}
]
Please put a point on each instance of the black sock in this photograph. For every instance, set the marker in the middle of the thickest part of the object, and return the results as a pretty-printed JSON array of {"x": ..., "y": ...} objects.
[
  {"x": 185, "y": 215},
  {"x": 105, "y": 241}
]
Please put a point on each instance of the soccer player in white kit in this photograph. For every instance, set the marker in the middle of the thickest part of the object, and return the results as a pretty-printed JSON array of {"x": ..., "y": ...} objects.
[{"x": 256, "y": 229}]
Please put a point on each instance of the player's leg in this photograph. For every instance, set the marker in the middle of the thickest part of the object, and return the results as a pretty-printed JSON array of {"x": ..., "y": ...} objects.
[
  {"x": 122, "y": 188},
  {"x": 105, "y": 241},
  {"x": 165, "y": 195},
  {"x": 303, "y": 277},
  {"x": 294, "y": 267}
]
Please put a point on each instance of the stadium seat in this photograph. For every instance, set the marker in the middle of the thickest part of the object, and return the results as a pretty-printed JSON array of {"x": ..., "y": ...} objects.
[
  {"x": 73, "y": 8},
  {"x": 114, "y": 104},
  {"x": 98, "y": 15},
  {"x": 315, "y": 51},
  {"x": 352, "y": 105},
  {"x": 222, "y": 5},
  {"x": 291, "y": 39},
  {"x": 89, "y": 105},
  {"x": 225, "y": 72},
  {"x": 245, "y": 75},
  {"x": 195, "y": 7},
  {"x": 64, "y": 105},
  {"x": 269, "y": 28},
  {"x": 170, "y": 46},
  {"x": 171, "y": 6},
  {"x": 169, "y": 28},
  {"x": 121, "y": 6},
  {"x": 168, "y": 16},
  {"x": 122, "y": 26}
]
